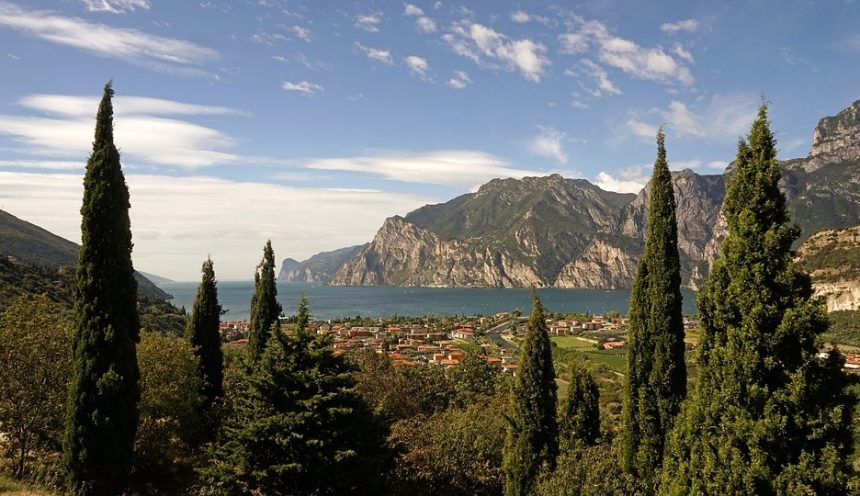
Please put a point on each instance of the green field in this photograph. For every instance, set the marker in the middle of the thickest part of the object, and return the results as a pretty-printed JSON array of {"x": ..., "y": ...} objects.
[{"x": 614, "y": 359}]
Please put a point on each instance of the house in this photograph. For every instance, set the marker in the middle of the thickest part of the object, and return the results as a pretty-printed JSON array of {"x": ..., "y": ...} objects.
[{"x": 614, "y": 345}]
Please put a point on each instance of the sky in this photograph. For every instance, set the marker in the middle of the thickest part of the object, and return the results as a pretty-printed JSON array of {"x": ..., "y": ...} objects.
[{"x": 310, "y": 122}]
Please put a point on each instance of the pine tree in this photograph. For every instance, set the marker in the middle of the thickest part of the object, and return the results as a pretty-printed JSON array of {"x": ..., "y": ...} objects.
[
  {"x": 202, "y": 333},
  {"x": 531, "y": 443},
  {"x": 767, "y": 416},
  {"x": 301, "y": 428},
  {"x": 102, "y": 411},
  {"x": 656, "y": 374},
  {"x": 580, "y": 416},
  {"x": 265, "y": 308}
]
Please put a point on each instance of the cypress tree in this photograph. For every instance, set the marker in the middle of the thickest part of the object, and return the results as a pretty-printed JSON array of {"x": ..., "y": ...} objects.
[
  {"x": 102, "y": 410},
  {"x": 768, "y": 415},
  {"x": 580, "y": 417},
  {"x": 265, "y": 308},
  {"x": 656, "y": 374},
  {"x": 202, "y": 333},
  {"x": 532, "y": 438},
  {"x": 301, "y": 428}
]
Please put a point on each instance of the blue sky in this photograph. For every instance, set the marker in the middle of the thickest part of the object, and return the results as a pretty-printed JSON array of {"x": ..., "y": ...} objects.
[{"x": 309, "y": 122}]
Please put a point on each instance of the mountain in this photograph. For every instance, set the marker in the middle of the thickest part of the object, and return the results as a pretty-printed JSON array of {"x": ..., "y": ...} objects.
[
  {"x": 319, "y": 268},
  {"x": 557, "y": 232},
  {"x": 154, "y": 278},
  {"x": 30, "y": 243},
  {"x": 832, "y": 258}
]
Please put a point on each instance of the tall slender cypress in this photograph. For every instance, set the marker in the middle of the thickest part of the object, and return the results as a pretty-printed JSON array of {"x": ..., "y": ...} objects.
[
  {"x": 768, "y": 415},
  {"x": 202, "y": 333},
  {"x": 532, "y": 437},
  {"x": 580, "y": 416},
  {"x": 656, "y": 374},
  {"x": 102, "y": 411},
  {"x": 265, "y": 308}
]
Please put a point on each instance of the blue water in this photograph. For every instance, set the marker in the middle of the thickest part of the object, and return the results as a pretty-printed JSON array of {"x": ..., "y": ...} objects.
[{"x": 330, "y": 301}]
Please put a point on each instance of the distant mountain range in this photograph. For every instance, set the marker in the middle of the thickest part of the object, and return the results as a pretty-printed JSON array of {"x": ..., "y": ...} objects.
[
  {"x": 557, "y": 232},
  {"x": 33, "y": 245}
]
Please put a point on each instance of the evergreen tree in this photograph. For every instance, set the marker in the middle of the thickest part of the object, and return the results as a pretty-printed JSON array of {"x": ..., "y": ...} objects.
[
  {"x": 768, "y": 416},
  {"x": 301, "y": 428},
  {"x": 656, "y": 374},
  {"x": 102, "y": 410},
  {"x": 580, "y": 416},
  {"x": 202, "y": 333},
  {"x": 531, "y": 443},
  {"x": 265, "y": 308}
]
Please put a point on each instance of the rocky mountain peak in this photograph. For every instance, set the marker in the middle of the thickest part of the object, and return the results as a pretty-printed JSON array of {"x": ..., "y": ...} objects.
[{"x": 836, "y": 139}]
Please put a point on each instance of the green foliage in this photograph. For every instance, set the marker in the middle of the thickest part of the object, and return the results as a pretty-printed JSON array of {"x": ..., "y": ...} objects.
[
  {"x": 844, "y": 327},
  {"x": 532, "y": 437},
  {"x": 203, "y": 335},
  {"x": 458, "y": 451},
  {"x": 589, "y": 471},
  {"x": 580, "y": 415},
  {"x": 102, "y": 410},
  {"x": 767, "y": 415},
  {"x": 35, "y": 363},
  {"x": 170, "y": 400},
  {"x": 832, "y": 255},
  {"x": 473, "y": 379},
  {"x": 265, "y": 308},
  {"x": 656, "y": 375},
  {"x": 18, "y": 279},
  {"x": 157, "y": 315},
  {"x": 300, "y": 428}
]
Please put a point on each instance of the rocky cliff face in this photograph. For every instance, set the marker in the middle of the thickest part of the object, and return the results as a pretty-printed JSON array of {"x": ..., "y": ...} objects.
[
  {"x": 317, "y": 269},
  {"x": 836, "y": 139},
  {"x": 832, "y": 258}
]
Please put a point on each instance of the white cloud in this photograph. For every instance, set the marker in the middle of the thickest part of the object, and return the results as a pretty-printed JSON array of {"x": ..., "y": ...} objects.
[
  {"x": 417, "y": 66},
  {"x": 641, "y": 129},
  {"x": 131, "y": 45},
  {"x": 301, "y": 33},
  {"x": 303, "y": 87},
  {"x": 520, "y": 17},
  {"x": 640, "y": 62},
  {"x": 683, "y": 121},
  {"x": 483, "y": 44},
  {"x": 423, "y": 23},
  {"x": 459, "y": 80},
  {"x": 549, "y": 143},
  {"x": 719, "y": 165},
  {"x": 142, "y": 130},
  {"x": 377, "y": 54},
  {"x": 609, "y": 183},
  {"x": 604, "y": 84},
  {"x": 456, "y": 168},
  {"x": 578, "y": 104},
  {"x": 688, "y": 25},
  {"x": 368, "y": 22},
  {"x": 233, "y": 231},
  {"x": 115, "y": 6},
  {"x": 270, "y": 39},
  {"x": 683, "y": 53},
  {"x": 679, "y": 165}
]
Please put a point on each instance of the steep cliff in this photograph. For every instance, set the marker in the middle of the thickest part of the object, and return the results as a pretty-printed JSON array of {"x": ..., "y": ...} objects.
[
  {"x": 832, "y": 258},
  {"x": 318, "y": 268}
]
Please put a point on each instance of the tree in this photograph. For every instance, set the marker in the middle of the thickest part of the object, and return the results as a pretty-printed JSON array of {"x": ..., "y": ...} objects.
[
  {"x": 301, "y": 428},
  {"x": 170, "y": 399},
  {"x": 656, "y": 374},
  {"x": 202, "y": 333},
  {"x": 768, "y": 415},
  {"x": 102, "y": 409},
  {"x": 35, "y": 363},
  {"x": 532, "y": 438},
  {"x": 265, "y": 308},
  {"x": 473, "y": 379},
  {"x": 580, "y": 418}
]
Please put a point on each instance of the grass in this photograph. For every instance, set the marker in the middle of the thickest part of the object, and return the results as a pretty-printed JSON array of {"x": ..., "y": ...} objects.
[
  {"x": 613, "y": 359},
  {"x": 12, "y": 487}
]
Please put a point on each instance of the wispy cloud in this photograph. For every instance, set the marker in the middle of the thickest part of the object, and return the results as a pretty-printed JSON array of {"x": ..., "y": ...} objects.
[
  {"x": 303, "y": 87},
  {"x": 459, "y": 80},
  {"x": 683, "y": 53},
  {"x": 377, "y": 54},
  {"x": 301, "y": 33},
  {"x": 648, "y": 63},
  {"x": 132, "y": 45},
  {"x": 687, "y": 25},
  {"x": 423, "y": 23},
  {"x": 522, "y": 17},
  {"x": 549, "y": 143},
  {"x": 368, "y": 22},
  {"x": 115, "y": 6},
  {"x": 610, "y": 183},
  {"x": 417, "y": 66},
  {"x": 486, "y": 46},
  {"x": 727, "y": 117},
  {"x": 456, "y": 168},
  {"x": 174, "y": 245},
  {"x": 600, "y": 76}
]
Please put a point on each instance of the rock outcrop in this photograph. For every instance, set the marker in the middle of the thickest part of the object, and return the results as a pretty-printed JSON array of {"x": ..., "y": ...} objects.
[
  {"x": 832, "y": 258},
  {"x": 836, "y": 139},
  {"x": 319, "y": 268}
]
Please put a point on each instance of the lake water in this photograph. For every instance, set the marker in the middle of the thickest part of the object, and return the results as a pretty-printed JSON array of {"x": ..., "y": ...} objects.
[{"x": 335, "y": 301}]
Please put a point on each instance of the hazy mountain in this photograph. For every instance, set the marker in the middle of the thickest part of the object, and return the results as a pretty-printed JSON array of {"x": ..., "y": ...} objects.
[{"x": 319, "y": 268}]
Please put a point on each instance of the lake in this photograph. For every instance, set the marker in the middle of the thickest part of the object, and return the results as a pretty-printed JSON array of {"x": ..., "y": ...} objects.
[{"x": 383, "y": 301}]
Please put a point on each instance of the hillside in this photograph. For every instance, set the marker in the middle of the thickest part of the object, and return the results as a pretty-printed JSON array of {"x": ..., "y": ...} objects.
[
  {"x": 832, "y": 258},
  {"x": 30, "y": 243},
  {"x": 319, "y": 268},
  {"x": 557, "y": 232}
]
